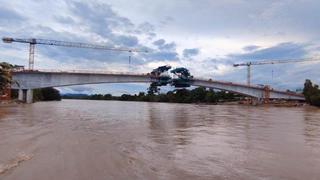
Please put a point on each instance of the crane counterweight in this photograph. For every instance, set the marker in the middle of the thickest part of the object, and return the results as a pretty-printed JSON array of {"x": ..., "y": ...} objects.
[{"x": 7, "y": 40}]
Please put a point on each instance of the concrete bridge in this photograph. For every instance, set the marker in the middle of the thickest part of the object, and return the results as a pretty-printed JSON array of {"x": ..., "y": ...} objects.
[{"x": 29, "y": 80}]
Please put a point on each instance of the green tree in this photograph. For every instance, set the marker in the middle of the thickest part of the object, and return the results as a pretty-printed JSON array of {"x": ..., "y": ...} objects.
[
  {"x": 211, "y": 96},
  {"x": 125, "y": 97},
  {"x": 46, "y": 94},
  {"x": 171, "y": 96},
  {"x": 107, "y": 97},
  {"x": 315, "y": 99},
  {"x": 37, "y": 95},
  {"x": 183, "y": 96},
  {"x": 311, "y": 93},
  {"x": 97, "y": 97},
  {"x": 153, "y": 89},
  {"x": 198, "y": 94},
  {"x": 50, "y": 94}
]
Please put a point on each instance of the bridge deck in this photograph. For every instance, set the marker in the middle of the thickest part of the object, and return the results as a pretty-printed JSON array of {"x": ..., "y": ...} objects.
[
  {"x": 56, "y": 78},
  {"x": 247, "y": 86}
]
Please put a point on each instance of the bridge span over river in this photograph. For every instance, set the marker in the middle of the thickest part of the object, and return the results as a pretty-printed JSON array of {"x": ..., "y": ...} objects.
[{"x": 29, "y": 80}]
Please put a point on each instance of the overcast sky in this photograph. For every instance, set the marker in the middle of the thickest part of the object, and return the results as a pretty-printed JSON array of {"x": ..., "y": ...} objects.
[{"x": 205, "y": 36}]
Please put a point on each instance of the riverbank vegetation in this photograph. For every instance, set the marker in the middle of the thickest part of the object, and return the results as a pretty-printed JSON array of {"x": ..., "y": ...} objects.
[
  {"x": 46, "y": 94},
  {"x": 197, "y": 95},
  {"x": 311, "y": 93},
  {"x": 5, "y": 76}
]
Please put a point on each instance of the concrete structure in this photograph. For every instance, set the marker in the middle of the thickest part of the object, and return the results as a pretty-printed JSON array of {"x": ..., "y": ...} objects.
[
  {"x": 29, "y": 80},
  {"x": 25, "y": 95},
  {"x": 251, "y": 91}
]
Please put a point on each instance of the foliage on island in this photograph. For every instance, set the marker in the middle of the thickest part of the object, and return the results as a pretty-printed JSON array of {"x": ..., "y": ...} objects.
[
  {"x": 197, "y": 95},
  {"x": 311, "y": 93},
  {"x": 46, "y": 94}
]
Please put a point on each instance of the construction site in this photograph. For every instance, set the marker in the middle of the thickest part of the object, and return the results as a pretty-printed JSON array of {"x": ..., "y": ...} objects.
[{"x": 160, "y": 76}]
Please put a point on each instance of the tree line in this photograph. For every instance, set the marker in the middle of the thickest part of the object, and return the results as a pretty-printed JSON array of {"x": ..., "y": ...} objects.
[{"x": 197, "y": 95}]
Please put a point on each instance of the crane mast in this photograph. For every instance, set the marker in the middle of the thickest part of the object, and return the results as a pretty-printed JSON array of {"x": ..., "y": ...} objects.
[
  {"x": 32, "y": 42},
  {"x": 265, "y": 62}
]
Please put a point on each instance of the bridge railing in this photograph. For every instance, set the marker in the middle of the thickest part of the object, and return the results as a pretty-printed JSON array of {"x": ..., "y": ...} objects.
[
  {"x": 229, "y": 83},
  {"x": 82, "y": 71}
]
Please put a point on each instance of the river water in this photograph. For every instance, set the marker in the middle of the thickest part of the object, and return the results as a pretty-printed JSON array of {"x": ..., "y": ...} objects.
[{"x": 76, "y": 139}]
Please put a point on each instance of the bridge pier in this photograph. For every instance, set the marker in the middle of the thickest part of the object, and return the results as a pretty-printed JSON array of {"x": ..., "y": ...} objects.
[
  {"x": 25, "y": 95},
  {"x": 20, "y": 95},
  {"x": 29, "y": 96},
  {"x": 257, "y": 101}
]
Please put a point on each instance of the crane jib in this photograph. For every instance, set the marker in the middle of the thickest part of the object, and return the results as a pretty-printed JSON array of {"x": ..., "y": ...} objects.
[
  {"x": 266, "y": 62},
  {"x": 67, "y": 44},
  {"x": 33, "y": 42}
]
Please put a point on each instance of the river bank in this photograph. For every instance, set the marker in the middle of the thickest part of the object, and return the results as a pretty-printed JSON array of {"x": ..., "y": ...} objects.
[
  {"x": 243, "y": 103},
  {"x": 9, "y": 102}
]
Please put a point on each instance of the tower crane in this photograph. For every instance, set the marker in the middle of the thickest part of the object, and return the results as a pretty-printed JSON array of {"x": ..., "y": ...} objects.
[
  {"x": 32, "y": 42},
  {"x": 264, "y": 62}
]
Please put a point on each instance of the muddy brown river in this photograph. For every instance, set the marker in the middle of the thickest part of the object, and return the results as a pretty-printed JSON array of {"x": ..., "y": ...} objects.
[{"x": 81, "y": 140}]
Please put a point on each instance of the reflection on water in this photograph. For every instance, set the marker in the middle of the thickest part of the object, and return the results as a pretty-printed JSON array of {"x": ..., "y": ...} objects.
[{"x": 76, "y": 139}]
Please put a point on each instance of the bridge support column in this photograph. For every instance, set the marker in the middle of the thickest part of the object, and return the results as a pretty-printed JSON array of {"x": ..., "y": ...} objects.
[
  {"x": 29, "y": 98},
  {"x": 20, "y": 95},
  {"x": 256, "y": 101}
]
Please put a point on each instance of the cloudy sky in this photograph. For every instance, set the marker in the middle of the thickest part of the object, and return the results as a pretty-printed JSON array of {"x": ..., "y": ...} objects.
[{"x": 205, "y": 36}]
